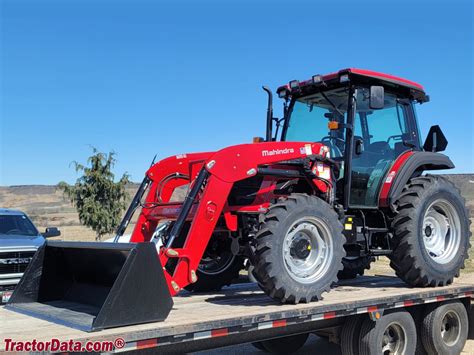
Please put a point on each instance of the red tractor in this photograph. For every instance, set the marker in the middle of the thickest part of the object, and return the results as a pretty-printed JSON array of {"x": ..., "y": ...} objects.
[{"x": 337, "y": 181}]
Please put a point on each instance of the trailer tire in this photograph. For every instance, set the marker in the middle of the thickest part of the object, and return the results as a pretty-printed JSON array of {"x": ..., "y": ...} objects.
[
  {"x": 350, "y": 334},
  {"x": 430, "y": 232},
  {"x": 394, "y": 331},
  {"x": 285, "y": 345},
  {"x": 417, "y": 313},
  {"x": 445, "y": 328},
  {"x": 298, "y": 249},
  {"x": 354, "y": 267}
]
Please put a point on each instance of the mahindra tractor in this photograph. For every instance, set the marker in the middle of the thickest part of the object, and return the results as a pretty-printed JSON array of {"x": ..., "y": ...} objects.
[{"x": 339, "y": 179}]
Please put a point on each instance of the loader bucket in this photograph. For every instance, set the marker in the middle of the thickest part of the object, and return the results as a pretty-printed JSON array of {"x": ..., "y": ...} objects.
[{"x": 92, "y": 286}]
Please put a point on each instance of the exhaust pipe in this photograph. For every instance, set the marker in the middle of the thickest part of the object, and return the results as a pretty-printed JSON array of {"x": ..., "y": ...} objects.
[{"x": 93, "y": 286}]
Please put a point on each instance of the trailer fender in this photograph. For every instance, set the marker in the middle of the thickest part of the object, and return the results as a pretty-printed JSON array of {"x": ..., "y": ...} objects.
[{"x": 408, "y": 165}]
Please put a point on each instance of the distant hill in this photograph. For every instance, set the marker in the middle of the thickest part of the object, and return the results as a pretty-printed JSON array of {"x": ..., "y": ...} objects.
[
  {"x": 465, "y": 182},
  {"x": 47, "y": 206}
]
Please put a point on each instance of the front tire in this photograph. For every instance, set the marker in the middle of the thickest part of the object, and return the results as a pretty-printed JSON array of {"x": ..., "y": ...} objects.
[
  {"x": 298, "y": 249},
  {"x": 430, "y": 232}
]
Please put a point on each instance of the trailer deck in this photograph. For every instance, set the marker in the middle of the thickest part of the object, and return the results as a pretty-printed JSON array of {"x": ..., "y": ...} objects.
[{"x": 241, "y": 313}]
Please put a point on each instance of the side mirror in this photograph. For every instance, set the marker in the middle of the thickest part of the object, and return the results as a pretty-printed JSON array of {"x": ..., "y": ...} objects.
[
  {"x": 358, "y": 146},
  {"x": 377, "y": 97},
  {"x": 51, "y": 232},
  {"x": 435, "y": 140}
]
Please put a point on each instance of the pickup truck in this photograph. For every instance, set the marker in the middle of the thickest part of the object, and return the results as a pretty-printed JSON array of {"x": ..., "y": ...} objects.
[{"x": 19, "y": 240}]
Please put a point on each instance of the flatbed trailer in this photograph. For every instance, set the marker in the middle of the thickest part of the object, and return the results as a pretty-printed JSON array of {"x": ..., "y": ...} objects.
[{"x": 242, "y": 313}]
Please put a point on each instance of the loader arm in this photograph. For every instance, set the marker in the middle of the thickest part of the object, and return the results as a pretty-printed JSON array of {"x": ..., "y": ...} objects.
[
  {"x": 209, "y": 194},
  {"x": 162, "y": 186}
]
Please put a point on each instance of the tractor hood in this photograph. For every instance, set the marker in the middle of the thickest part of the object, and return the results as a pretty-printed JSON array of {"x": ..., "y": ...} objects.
[{"x": 234, "y": 162}]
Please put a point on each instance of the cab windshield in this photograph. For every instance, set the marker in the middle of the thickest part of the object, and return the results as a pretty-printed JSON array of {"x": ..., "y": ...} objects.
[
  {"x": 16, "y": 225},
  {"x": 310, "y": 115}
]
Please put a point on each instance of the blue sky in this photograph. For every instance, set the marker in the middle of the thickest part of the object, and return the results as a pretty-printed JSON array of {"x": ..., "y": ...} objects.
[{"x": 149, "y": 77}]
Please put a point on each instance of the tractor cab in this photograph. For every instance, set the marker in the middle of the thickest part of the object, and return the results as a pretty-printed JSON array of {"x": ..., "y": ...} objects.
[{"x": 366, "y": 119}]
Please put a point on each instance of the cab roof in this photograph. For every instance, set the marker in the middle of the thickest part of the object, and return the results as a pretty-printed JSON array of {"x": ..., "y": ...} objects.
[{"x": 364, "y": 76}]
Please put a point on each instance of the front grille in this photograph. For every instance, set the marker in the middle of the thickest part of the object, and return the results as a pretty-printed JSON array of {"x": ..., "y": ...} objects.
[{"x": 13, "y": 262}]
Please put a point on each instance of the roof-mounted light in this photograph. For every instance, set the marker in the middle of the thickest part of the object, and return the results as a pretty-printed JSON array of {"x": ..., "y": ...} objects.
[
  {"x": 317, "y": 79},
  {"x": 344, "y": 78},
  {"x": 282, "y": 93},
  {"x": 294, "y": 85}
]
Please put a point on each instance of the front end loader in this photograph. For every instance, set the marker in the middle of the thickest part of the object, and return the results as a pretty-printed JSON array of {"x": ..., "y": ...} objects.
[{"x": 337, "y": 181}]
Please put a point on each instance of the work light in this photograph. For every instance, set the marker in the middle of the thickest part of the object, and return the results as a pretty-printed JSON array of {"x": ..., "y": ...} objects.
[
  {"x": 294, "y": 85},
  {"x": 317, "y": 79}
]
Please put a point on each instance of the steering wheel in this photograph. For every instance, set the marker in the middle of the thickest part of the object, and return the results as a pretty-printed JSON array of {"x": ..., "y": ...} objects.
[
  {"x": 12, "y": 231},
  {"x": 397, "y": 137},
  {"x": 335, "y": 150}
]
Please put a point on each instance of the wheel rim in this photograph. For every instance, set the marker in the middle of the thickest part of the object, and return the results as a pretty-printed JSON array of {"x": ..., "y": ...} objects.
[
  {"x": 441, "y": 231},
  {"x": 307, "y": 250},
  {"x": 394, "y": 340},
  {"x": 214, "y": 266},
  {"x": 450, "y": 328}
]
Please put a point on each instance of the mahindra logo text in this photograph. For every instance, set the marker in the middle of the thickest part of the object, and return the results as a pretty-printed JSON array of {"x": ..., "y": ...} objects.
[
  {"x": 12, "y": 261},
  {"x": 269, "y": 153}
]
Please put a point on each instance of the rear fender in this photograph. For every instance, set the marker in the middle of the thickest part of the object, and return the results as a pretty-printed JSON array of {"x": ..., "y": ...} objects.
[{"x": 406, "y": 166}]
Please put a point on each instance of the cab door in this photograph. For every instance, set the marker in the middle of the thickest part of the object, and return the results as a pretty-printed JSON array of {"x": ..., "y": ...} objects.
[{"x": 383, "y": 136}]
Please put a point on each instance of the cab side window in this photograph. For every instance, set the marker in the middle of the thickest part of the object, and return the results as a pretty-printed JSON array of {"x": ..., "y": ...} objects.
[{"x": 383, "y": 133}]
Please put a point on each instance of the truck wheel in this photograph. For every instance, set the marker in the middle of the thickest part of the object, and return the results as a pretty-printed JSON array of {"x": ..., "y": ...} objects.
[
  {"x": 214, "y": 273},
  {"x": 350, "y": 334},
  {"x": 285, "y": 345},
  {"x": 417, "y": 313},
  {"x": 394, "y": 334},
  {"x": 298, "y": 249},
  {"x": 430, "y": 232},
  {"x": 444, "y": 329},
  {"x": 353, "y": 266}
]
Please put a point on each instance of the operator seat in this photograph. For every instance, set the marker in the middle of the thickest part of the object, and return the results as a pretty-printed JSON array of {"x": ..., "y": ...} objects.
[{"x": 381, "y": 158}]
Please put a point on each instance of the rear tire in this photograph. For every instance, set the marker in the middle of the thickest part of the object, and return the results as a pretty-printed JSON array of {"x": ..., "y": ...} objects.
[
  {"x": 298, "y": 249},
  {"x": 394, "y": 333},
  {"x": 354, "y": 267},
  {"x": 430, "y": 232},
  {"x": 285, "y": 345},
  {"x": 445, "y": 328}
]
